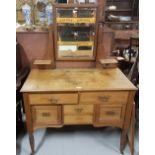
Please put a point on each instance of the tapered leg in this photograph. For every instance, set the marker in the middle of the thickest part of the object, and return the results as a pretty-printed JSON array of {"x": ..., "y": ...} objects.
[
  {"x": 123, "y": 141},
  {"x": 31, "y": 139},
  {"x": 131, "y": 132}
]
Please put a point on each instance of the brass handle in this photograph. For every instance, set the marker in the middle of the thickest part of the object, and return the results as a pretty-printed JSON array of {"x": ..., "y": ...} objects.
[
  {"x": 104, "y": 98},
  {"x": 53, "y": 100},
  {"x": 79, "y": 110},
  {"x": 110, "y": 113},
  {"x": 46, "y": 114}
]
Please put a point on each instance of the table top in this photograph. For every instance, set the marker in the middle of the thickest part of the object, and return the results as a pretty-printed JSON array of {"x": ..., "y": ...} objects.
[
  {"x": 108, "y": 61},
  {"x": 76, "y": 80}
]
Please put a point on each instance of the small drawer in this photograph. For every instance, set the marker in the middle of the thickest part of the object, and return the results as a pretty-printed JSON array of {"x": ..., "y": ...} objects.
[
  {"x": 110, "y": 115},
  {"x": 78, "y": 109},
  {"x": 109, "y": 97},
  {"x": 46, "y": 115},
  {"x": 78, "y": 119},
  {"x": 71, "y": 98},
  {"x": 78, "y": 114}
]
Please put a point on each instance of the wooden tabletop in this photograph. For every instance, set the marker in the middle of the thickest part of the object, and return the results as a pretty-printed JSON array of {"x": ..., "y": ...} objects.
[
  {"x": 76, "y": 80},
  {"x": 108, "y": 61}
]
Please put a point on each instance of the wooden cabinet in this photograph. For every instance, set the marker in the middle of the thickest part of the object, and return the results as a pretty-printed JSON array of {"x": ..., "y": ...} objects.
[
  {"x": 98, "y": 97},
  {"x": 122, "y": 14},
  {"x": 88, "y": 96}
]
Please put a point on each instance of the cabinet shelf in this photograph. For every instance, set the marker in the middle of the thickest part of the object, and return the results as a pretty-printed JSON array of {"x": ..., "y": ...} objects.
[
  {"x": 79, "y": 43},
  {"x": 122, "y": 22},
  {"x": 73, "y": 25},
  {"x": 126, "y": 8},
  {"x": 119, "y": 10},
  {"x": 76, "y": 20}
]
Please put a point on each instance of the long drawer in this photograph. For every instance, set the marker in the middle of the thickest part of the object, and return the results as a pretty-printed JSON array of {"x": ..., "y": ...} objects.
[
  {"x": 78, "y": 114},
  {"x": 68, "y": 98},
  {"x": 46, "y": 115},
  {"x": 108, "y": 97}
]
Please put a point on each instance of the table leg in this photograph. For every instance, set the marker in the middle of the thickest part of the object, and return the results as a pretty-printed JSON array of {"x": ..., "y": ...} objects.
[
  {"x": 123, "y": 141},
  {"x": 31, "y": 139},
  {"x": 131, "y": 131}
]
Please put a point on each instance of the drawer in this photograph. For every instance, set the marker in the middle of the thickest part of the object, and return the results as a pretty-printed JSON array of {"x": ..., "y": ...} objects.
[
  {"x": 78, "y": 119},
  {"x": 109, "y": 97},
  {"x": 46, "y": 115},
  {"x": 78, "y": 109},
  {"x": 110, "y": 115},
  {"x": 78, "y": 114},
  {"x": 71, "y": 98}
]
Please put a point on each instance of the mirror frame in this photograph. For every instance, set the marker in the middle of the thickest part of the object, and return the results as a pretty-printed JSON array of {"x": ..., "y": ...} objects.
[{"x": 64, "y": 6}]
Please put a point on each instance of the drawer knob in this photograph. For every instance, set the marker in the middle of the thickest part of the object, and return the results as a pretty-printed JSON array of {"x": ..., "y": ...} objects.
[
  {"x": 104, "y": 98},
  {"x": 79, "y": 110},
  {"x": 53, "y": 100}
]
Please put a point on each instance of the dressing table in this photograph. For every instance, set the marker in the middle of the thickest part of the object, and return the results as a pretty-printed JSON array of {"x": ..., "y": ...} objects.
[{"x": 77, "y": 96}]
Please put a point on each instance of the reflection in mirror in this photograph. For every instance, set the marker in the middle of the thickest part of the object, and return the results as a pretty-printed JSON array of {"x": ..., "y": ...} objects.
[{"x": 76, "y": 33}]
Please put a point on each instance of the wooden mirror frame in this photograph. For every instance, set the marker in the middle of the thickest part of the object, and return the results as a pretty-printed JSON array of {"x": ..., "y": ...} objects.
[{"x": 55, "y": 6}]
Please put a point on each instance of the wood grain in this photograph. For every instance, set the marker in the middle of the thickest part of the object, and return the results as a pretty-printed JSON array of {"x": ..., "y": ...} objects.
[
  {"x": 78, "y": 119},
  {"x": 78, "y": 109},
  {"x": 110, "y": 114},
  {"x": 49, "y": 115},
  {"x": 76, "y": 80},
  {"x": 106, "y": 97},
  {"x": 52, "y": 98}
]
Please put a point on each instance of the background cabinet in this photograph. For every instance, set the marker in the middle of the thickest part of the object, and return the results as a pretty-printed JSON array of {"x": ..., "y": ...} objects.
[{"x": 124, "y": 16}]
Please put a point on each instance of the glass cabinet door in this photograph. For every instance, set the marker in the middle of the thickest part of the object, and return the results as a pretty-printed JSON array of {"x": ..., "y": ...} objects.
[{"x": 75, "y": 35}]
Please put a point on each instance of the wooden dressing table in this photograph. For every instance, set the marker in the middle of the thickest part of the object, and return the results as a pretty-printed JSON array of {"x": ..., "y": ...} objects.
[
  {"x": 80, "y": 96},
  {"x": 58, "y": 97}
]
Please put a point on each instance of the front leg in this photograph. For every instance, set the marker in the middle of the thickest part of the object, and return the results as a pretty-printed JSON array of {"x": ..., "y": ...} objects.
[
  {"x": 123, "y": 141},
  {"x": 31, "y": 139},
  {"x": 29, "y": 122}
]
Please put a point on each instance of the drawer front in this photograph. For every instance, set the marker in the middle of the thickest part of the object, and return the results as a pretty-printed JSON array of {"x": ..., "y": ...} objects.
[
  {"x": 35, "y": 99},
  {"x": 78, "y": 114},
  {"x": 78, "y": 119},
  {"x": 78, "y": 109},
  {"x": 46, "y": 115},
  {"x": 111, "y": 115},
  {"x": 110, "y": 97}
]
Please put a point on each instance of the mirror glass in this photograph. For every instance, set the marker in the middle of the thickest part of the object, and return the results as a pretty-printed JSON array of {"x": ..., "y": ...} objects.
[{"x": 75, "y": 33}]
